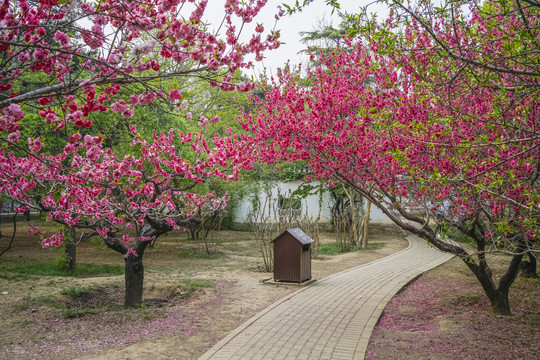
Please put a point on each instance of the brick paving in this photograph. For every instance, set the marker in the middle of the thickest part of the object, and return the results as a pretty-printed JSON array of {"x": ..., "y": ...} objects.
[{"x": 332, "y": 318}]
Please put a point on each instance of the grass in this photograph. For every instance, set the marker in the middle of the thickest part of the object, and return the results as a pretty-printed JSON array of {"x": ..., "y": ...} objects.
[
  {"x": 194, "y": 254},
  {"x": 79, "y": 312},
  {"x": 78, "y": 290},
  {"x": 23, "y": 271},
  {"x": 189, "y": 286},
  {"x": 79, "y": 306},
  {"x": 334, "y": 249},
  {"x": 41, "y": 300}
]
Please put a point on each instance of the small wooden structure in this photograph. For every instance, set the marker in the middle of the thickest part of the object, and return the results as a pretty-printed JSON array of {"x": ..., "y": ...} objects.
[{"x": 292, "y": 256}]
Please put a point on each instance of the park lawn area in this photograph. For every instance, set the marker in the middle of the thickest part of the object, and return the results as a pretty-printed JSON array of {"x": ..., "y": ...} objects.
[{"x": 193, "y": 299}]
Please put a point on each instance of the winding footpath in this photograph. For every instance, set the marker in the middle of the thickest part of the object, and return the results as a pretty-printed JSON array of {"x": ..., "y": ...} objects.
[{"x": 332, "y": 318}]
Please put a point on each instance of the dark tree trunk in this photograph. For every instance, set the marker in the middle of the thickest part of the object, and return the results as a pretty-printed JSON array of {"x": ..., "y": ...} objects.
[
  {"x": 528, "y": 268},
  {"x": 497, "y": 295},
  {"x": 71, "y": 250},
  {"x": 12, "y": 236},
  {"x": 134, "y": 277},
  {"x": 500, "y": 303},
  {"x": 134, "y": 269}
]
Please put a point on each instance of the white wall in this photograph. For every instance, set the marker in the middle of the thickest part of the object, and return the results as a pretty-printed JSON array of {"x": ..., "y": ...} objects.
[{"x": 309, "y": 204}]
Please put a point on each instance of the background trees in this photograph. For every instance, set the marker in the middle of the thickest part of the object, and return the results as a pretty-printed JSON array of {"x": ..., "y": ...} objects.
[{"x": 433, "y": 105}]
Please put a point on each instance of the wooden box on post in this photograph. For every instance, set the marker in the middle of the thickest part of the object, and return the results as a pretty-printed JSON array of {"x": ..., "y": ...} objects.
[{"x": 292, "y": 256}]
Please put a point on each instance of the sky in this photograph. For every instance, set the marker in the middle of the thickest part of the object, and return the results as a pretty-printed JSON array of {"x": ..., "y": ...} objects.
[
  {"x": 290, "y": 26},
  {"x": 307, "y": 20}
]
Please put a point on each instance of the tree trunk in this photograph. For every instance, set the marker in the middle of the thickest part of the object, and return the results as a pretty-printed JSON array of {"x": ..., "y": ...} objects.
[
  {"x": 498, "y": 297},
  {"x": 71, "y": 250},
  {"x": 134, "y": 281},
  {"x": 500, "y": 303},
  {"x": 134, "y": 269},
  {"x": 528, "y": 268}
]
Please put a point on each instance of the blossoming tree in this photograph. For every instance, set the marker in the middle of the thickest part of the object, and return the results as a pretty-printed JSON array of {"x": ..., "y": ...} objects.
[
  {"x": 112, "y": 57},
  {"x": 436, "y": 111}
]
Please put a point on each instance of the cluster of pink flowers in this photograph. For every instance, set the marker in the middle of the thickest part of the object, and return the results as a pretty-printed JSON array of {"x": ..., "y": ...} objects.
[
  {"x": 54, "y": 240},
  {"x": 11, "y": 115}
]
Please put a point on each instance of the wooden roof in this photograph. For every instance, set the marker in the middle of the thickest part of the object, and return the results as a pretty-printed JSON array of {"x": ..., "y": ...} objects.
[{"x": 298, "y": 234}]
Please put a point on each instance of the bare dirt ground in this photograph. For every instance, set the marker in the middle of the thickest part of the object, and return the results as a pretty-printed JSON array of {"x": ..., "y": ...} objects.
[
  {"x": 39, "y": 321},
  {"x": 444, "y": 314}
]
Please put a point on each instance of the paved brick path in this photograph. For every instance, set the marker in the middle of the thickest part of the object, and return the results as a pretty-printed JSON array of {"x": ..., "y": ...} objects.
[{"x": 334, "y": 317}]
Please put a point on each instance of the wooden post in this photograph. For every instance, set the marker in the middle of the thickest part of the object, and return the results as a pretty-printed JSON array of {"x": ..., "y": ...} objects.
[{"x": 366, "y": 224}]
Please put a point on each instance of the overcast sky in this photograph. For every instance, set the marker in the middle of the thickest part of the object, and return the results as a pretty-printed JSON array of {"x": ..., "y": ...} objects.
[
  {"x": 290, "y": 26},
  {"x": 307, "y": 20}
]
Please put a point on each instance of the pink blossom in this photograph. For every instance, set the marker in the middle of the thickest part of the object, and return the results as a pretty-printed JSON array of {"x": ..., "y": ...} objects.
[
  {"x": 174, "y": 94},
  {"x": 213, "y": 64},
  {"x": 181, "y": 106},
  {"x": 167, "y": 5},
  {"x": 203, "y": 121},
  {"x": 14, "y": 137},
  {"x": 44, "y": 101},
  {"x": 103, "y": 232},
  {"x": 133, "y": 99},
  {"x": 128, "y": 113},
  {"x": 127, "y": 239},
  {"x": 33, "y": 230},
  {"x": 147, "y": 98},
  {"x": 61, "y": 37},
  {"x": 75, "y": 137},
  {"x": 23, "y": 56},
  {"x": 119, "y": 106},
  {"x": 41, "y": 54},
  {"x": 144, "y": 49},
  {"x": 54, "y": 240},
  {"x": 51, "y": 117},
  {"x": 13, "y": 112},
  {"x": 130, "y": 251},
  {"x": 35, "y": 145}
]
